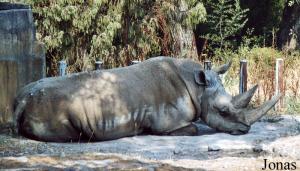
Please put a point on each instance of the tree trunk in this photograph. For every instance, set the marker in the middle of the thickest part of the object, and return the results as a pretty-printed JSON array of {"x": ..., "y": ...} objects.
[
  {"x": 184, "y": 37},
  {"x": 289, "y": 33}
]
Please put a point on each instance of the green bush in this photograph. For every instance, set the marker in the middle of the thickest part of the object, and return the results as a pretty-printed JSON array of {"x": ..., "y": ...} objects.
[
  {"x": 116, "y": 32},
  {"x": 225, "y": 19}
]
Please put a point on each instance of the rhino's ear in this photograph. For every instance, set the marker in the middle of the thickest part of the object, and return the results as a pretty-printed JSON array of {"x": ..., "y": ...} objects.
[{"x": 200, "y": 77}]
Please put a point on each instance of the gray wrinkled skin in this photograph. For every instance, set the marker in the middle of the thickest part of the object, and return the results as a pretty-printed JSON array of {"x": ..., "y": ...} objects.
[{"x": 161, "y": 96}]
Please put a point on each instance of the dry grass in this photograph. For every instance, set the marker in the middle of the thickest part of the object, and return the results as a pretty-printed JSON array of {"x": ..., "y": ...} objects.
[{"x": 261, "y": 71}]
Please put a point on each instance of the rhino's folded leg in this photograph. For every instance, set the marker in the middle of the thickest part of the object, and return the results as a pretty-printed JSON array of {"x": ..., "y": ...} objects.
[{"x": 190, "y": 130}]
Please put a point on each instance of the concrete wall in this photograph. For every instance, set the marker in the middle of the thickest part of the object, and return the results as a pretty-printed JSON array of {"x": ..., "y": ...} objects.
[{"x": 22, "y": 58}]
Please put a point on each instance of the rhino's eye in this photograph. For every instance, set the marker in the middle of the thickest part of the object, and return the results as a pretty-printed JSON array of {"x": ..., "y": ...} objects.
[
  {"x": 224, "y": 111},
  {"x": 225, "y": 114}
]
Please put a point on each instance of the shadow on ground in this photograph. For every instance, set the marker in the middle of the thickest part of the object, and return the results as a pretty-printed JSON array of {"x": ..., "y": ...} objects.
[{"x": 267, "y": 138}]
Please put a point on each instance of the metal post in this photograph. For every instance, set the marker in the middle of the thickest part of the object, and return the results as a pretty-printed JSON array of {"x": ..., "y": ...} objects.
[
  {"x": 98, "y": 65},
  {"x": 243, "y": 76},
  {"x": 134, "y": 62},
  {"x": 279, "y": 80},
  {"x": 62, "y": 68},
  {"x": 207, "y": 65}
]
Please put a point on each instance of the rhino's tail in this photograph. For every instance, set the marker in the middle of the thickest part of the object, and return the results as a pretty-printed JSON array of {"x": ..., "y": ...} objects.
[{"x": 19, "y": 106}]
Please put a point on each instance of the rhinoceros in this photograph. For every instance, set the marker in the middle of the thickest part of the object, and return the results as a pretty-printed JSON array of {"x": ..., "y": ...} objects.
[{"x": 160, "y": 96}]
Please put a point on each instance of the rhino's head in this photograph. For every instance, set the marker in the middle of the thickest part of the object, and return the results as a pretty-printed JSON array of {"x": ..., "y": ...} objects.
[{"x": 224, "y": 112}]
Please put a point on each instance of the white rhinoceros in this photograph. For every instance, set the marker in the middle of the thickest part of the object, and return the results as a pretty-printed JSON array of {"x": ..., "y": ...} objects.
[{"x": 161, "y": 96}]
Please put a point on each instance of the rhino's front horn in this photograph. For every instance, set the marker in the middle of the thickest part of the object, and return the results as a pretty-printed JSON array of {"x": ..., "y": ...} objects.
[
  {"x": 242, "y": 100},
  {"x": 253, "y": 115},
  {"x": 222, "y": 69}
]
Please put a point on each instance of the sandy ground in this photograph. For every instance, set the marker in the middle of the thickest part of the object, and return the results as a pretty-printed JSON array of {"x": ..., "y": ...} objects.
[{"x": 275, "y": 138}]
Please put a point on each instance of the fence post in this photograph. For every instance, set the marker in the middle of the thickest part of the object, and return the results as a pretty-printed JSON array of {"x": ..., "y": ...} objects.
[
  {"x": 134, "y": 62},
  {"x": 207, "y": 65},
  {"x": 62, "y": 68},
  {"x": 279, "y": 81},
  {"x": 98, "y": 65},
  {"x": 243, "y": 76}
]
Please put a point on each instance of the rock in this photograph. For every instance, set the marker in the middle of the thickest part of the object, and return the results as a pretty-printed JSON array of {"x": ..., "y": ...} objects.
[
  {"x": 62, "y": 154},
  {"x": 214, "y": 147},
  {"x": 176, "y": 151},
  {"x": 257, "y": 149},
  {"x": 20, "y": 154}
]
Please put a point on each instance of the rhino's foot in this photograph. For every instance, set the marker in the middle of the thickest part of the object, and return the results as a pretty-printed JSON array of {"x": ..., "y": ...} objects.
[{"x": 190, "y": 130}]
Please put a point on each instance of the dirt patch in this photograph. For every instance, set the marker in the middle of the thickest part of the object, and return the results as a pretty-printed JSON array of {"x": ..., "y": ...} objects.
[
  {"x": 84, "y": 162},
  {"x": 233, "y": 163},
  {"x": 274, "y": 138}
]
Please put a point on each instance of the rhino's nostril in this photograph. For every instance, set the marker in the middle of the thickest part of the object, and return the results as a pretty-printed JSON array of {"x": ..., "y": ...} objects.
[{"x": 245, "y": 128}]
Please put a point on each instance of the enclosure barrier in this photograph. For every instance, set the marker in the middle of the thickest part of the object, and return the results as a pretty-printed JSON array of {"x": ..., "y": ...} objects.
[
  {"x": 22, "y": 57},
  {"x": 98, "y": 65},
  {"x": 279, "y": 81},
  {"x": 207, "y": 65},
  {"x": 62, "y": 68},
  {"x": 243, "y": 76}
]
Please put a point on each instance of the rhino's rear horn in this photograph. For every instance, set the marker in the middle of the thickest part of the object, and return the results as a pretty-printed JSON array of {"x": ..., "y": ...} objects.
[
  {"x": 223, "y": 68},
  {"x": 242, "y": 100},
  {"x": 253, "y": 115}
]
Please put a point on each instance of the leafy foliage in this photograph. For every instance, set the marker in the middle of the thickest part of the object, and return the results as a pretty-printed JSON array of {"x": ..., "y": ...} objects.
[
  {"x": 76, "y": 30},
  {"x": 116, "y": 32},
  {"x": 224, "y": 21},
  {"x": 292, "y": 2}
]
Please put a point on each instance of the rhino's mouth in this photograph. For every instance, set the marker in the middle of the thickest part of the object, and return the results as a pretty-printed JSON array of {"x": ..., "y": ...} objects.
[
  {"x": 225, "y": 124},
  {"x": 240, "y": 131}
]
